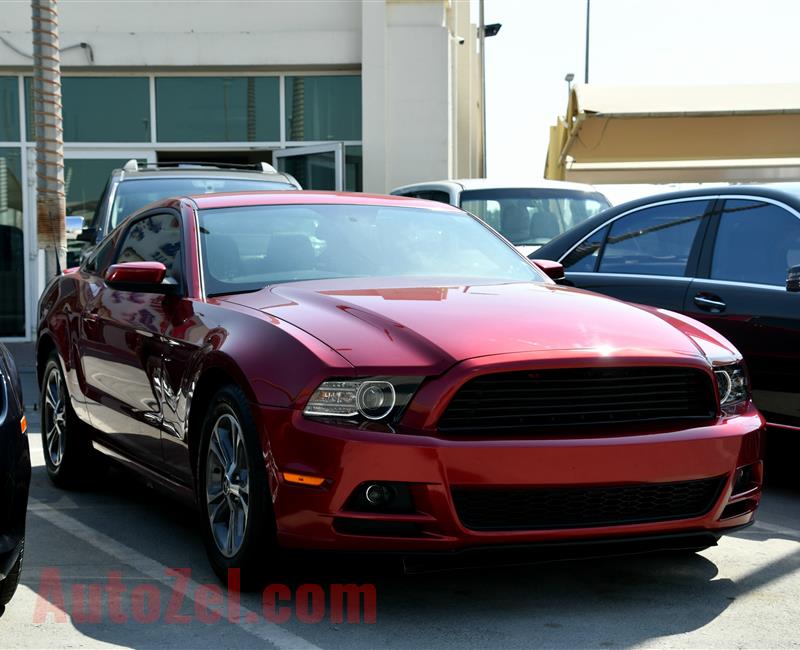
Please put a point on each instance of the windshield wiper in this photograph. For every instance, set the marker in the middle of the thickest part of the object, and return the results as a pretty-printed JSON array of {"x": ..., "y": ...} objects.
[{"x": 234, "y": 292}]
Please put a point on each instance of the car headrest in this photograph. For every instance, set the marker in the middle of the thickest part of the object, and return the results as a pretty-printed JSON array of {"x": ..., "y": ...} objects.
[
  {"x": 222, "y": 255},
  {"x": 290, "y": 252}
]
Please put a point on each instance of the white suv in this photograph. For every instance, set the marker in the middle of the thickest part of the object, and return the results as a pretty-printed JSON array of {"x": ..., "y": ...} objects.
[{"x": 528, "y": 216}]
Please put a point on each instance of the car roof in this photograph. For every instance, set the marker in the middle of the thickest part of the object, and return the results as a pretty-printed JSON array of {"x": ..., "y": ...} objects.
[
  {"x": 788, "y": 193},
  {"x": 202, "y": 172},
  {"x": 261, "y": 171},
  {"x": 495, "y": 184},
  {"x": 306, "y": 197}
]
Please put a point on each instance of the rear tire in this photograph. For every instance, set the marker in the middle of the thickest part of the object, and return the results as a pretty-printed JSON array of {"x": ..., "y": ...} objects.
[
  {"x": 65, "y": 437},
  {"x": 233, "y": 492}
]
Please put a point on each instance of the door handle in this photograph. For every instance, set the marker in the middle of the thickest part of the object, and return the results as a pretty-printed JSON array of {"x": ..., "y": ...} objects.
[
  {"x": 709, "y": 303},
  {"x": 91, "y": 323},
  {"x": 91, "y": 316}
]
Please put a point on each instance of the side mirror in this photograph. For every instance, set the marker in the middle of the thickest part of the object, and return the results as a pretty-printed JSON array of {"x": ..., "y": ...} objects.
[
  {"x": 88, "y": 234},
  {"x": 553, "y": 270},
  {"x": 793, "y": 279},
  {"x": 146, "y": 277}
]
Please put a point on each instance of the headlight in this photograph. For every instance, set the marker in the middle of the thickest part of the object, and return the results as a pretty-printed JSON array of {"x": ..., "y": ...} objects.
[
  {"x": 371, "y": 398},
  {"x": 731, "y": 383}
]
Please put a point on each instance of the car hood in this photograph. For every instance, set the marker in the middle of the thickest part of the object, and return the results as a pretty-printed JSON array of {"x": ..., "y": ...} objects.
[{"x": 429, "y": 325}]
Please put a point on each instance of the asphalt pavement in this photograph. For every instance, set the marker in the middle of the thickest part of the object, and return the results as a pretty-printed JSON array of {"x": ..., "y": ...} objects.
[{"x": 121, "y": 565}]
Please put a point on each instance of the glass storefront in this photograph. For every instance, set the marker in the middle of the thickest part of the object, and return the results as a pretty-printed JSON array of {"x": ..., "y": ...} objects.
[
  {"x": 197, "y": 109},
  {"x": 100, "y": 109},
  {"x": 84, "y": 181},
  {"x": 9, "y": 109},
  {"x": 218, "y": 109},
  {"x": 353, "y": 164},
  {"x": 12, "y": 248},
  {"x": 317, "y": 170},
  {"x": 323, "y": 108},
  {"x": 111, "y": 119}
]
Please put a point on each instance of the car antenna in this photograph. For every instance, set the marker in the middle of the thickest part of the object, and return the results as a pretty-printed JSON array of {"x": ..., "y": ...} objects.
[{"x": 58, "y": 261}]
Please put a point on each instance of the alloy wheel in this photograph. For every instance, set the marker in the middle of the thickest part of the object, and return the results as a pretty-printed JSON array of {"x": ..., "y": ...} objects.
[
  {"x": 227, "y": 484},
  {"x": 55, "y": 416}
]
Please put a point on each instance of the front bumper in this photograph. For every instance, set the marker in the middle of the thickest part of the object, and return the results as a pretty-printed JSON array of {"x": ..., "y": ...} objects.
[
  {"x": 15, "y": 477},
  {"x": 321, "y": 518}
]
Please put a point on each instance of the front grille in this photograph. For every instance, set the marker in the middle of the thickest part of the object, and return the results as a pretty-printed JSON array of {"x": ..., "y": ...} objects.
[
  {"x": 571, "y": 397},
  {"x": 584, "y": 507}
]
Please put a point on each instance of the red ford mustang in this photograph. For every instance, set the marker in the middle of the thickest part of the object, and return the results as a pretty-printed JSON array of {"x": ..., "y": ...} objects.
[{"x": 341, "y": 371}]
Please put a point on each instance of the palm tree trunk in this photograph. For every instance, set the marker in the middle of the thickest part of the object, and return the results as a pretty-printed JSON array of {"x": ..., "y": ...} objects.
[{"x": 50, "y": 198}]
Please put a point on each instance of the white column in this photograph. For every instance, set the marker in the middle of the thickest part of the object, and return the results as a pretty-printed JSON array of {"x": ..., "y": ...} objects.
[{"x": 373, "y": 100}]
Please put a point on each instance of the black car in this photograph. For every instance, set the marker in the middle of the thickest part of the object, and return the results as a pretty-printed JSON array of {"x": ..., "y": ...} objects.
[
  {"x": 721, "y": 255},
  {"x": 15, "y": 477}
]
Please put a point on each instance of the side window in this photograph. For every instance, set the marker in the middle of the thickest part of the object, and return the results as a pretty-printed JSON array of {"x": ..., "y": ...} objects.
[
  {"x": 97, "y": 220},
  {"x": 429, "y": 195},
  {"x": 583, "y": 257},
  {"x": 433, "y": 195},
  {"x": 99, "y": 260},
  {"x": 156, "y": 238},
  {"x": 489, "y": 210},
  {"x": 653, "y": 241},
  {"x": 756, "y": 242}
]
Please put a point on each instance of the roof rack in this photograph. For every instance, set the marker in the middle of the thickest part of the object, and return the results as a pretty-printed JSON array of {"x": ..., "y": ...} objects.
[{"x": 134, "y": 165}]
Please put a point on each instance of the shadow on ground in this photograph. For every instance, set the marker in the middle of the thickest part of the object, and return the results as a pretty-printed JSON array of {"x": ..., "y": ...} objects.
[{"x": 608, "y": 602}]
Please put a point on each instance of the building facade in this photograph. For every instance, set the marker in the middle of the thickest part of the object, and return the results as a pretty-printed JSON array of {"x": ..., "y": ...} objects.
[{"x": 362, "y": 96}]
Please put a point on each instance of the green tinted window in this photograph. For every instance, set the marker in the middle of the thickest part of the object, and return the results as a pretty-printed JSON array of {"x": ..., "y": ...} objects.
[
  {"x": 101, "y": 109},
  {"x": 218, "y": 109},
  {"x": 9, "y": 109},
  {"x": 84, "y": 180},
  {"x": 323, "y": 108},
  {"x": 353, "y": 169}
]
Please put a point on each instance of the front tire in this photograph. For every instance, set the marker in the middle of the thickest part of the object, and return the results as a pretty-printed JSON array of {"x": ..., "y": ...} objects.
[
  {"x": 233, "y": 492},
  {"x": 65, "y": 439}
]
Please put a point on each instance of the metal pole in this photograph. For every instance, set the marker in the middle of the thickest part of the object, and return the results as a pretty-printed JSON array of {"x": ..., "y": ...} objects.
[
  {"x": 50, "y": 197},
  {"x": 482, "y": 41},
  {"x": 586, "y": 62}
]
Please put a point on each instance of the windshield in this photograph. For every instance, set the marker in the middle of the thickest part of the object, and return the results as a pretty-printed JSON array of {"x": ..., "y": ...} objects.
[
  {"x": 532, "y": 217},
  {"x": 137, "y": 193},
  {"x": 246, "y": 248}
]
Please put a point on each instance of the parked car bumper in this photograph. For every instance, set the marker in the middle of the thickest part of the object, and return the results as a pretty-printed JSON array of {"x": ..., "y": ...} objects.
[
  {"x": 579, "y": 469},
  {"x": 10, "y": 548}
]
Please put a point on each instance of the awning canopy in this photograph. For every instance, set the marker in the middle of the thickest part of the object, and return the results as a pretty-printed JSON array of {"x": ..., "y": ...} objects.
[{"x": 659, "y": 134}]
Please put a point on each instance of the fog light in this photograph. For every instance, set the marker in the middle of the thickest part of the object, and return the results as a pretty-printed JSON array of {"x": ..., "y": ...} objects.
[
  {"x": 381, "y": 497},
  {"x": 744, "y": 479},
  {"x": 378, "y": 495}
]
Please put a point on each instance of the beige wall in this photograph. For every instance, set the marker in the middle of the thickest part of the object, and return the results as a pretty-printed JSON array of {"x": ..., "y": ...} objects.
[
  {"x": 422, "y": 116},
  {"x": 421, "y": 87},
  {"x": 203, "y": 33}
]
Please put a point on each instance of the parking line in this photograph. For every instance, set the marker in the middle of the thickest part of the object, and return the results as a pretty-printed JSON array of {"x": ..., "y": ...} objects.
[{"x": 279, "y": 637}]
